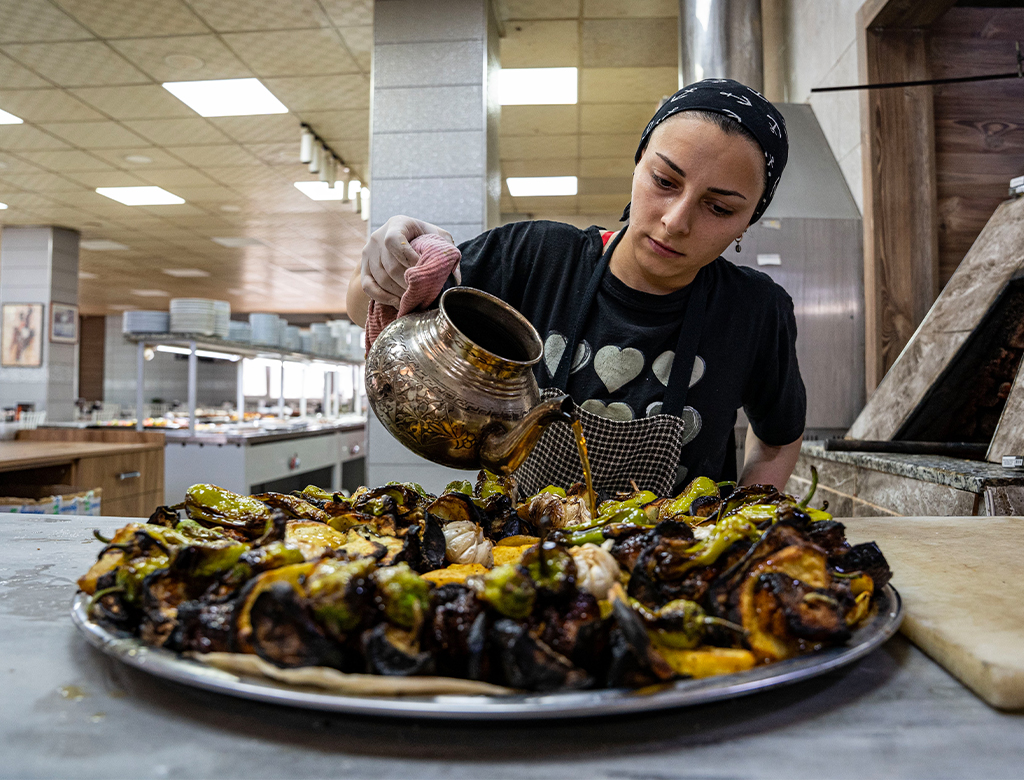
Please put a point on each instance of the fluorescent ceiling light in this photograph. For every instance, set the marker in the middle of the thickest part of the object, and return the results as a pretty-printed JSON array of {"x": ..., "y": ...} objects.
[
  {"x": 9, "y": 119},
  {"x": 199, "y": 353},
  {"x": 139, "y": 159},
  {"x": 140, "y": 196},
  {"x": 226, "y": 97},
  {"x": 536, "y": 86},
  {"x": 186, "y": 273},
  {"x": 87, "y": 275},
  {"x": 101, "y": 245},
  {"x": 527, "y": 186},
  {"x": 318, "y": 190},
  {"x": 151, "y": 293},
  {"x": 236, "y": 242},
  {"x": 3, "y": 206}
]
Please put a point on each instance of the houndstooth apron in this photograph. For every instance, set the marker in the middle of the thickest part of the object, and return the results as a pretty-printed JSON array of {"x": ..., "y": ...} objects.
[{"x": 645, "y": 450}]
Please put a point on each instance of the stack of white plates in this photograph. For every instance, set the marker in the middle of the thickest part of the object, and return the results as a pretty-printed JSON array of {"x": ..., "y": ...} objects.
[
  {"x": 265, "y": 329},
  {"x": 292, "y": 339},
  {"x": 145, "y": 322},
  {"x": 323, "y": 341},
  {"x": 193, "y": 315},
  {"x": 307, "y": 340},
  {"x": 222, "y": 326},
  {"x": 240, "y": 331}
]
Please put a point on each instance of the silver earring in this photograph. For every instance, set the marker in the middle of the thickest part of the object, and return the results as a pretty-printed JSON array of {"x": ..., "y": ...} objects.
[{"x": 738, "y": 243}]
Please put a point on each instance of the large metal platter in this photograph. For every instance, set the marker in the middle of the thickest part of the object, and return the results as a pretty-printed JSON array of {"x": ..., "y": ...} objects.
[{"x": 527, "y": 706}]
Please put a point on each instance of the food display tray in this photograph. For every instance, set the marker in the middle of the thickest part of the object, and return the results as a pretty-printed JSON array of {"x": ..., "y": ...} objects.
[{"x": 520, "y": 706}]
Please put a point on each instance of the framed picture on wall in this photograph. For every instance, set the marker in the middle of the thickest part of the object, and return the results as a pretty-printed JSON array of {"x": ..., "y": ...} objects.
[
  {"x": 21, "y": 335},
  {"x": 63, "y": 323}
]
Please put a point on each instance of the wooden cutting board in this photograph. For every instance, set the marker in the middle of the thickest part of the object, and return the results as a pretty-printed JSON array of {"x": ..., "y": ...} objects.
[{"x": 962, "y": 583}]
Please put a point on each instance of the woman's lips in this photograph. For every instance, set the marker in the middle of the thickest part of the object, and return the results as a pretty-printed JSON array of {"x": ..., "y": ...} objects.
[{"x": 660, "y": 249}]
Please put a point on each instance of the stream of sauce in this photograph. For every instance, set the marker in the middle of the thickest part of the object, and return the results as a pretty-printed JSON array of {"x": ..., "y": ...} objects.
[{"x": 581, "y": 445}]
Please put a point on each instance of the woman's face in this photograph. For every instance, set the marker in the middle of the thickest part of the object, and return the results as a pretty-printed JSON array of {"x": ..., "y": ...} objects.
[{"x": 694, "y": 192}]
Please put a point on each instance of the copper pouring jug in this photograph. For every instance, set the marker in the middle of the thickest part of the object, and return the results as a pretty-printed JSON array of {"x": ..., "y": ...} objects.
[{"x": 456, "y": 386}]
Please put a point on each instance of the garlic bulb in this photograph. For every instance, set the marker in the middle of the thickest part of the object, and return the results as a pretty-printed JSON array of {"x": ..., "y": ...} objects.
[
  {"x": 561, "y": 512},
  {"x": 465, "y": 543},
  {"x": 596, "y": 569}
]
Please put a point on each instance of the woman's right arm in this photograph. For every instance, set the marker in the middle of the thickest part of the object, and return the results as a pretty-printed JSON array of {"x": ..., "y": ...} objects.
[{"x": 381, "y": 272}]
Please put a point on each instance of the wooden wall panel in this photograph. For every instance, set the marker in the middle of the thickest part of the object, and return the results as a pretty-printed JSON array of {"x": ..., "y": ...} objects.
[
  {"x": 90, "y": 363},
  {"x": 979, "y": 127}
]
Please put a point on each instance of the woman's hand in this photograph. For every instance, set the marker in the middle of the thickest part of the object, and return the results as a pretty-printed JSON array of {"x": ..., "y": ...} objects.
[
  {"x": 388, "y": 253},
  {"x": 381, "y": 274}
]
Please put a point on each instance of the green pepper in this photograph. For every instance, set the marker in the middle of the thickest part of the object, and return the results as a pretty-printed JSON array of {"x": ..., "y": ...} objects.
[
  {"x": 509, "y": 590},
  {"x": 271, "y": 556},
  {"x": 553, "y": 490},
  {"x": 458, "y": 486},
  {"x": 404, "y": 594},
  {"x": 129, "y": 577},
  {"x": 635, "y": 501},
  {"x": 679, "y": 624},
  {"x": 210, "y": 559},
  {"x": 335, "y": 589},
  {"x": 727, "y": 531},
  {"x": 312, "y": 491},
  {"x": 222, "y": 507},
  {"x": 680, "y": 505},
  {"x": 555, "y": 571},
  {"x": 192, "y": 530}
]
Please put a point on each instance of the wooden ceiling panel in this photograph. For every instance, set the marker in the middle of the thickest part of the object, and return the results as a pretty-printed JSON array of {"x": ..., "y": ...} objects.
[
  {"x": 537, "y": 147},
  {"x": 625, "y": 118},
  {"x": 608, "y": 145},
  {"x": 601, "y": 167},
  {"x": 628, "y": 85},
  {"x": 539, "y": 120},
  {"x": 134, "y": 18}
]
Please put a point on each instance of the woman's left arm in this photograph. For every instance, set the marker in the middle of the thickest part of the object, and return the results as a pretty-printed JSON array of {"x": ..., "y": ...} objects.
[{"x": 764, "y": 464}]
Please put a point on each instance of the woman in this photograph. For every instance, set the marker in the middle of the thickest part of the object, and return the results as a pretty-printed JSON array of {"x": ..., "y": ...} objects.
[{"x": 656, "y": 336}]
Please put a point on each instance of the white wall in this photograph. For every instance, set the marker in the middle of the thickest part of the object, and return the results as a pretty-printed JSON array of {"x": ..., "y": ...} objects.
[{"x": 821, "y": 51}]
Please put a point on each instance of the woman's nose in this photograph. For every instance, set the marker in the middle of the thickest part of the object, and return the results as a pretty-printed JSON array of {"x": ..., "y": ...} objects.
[{"x": 678, "y": 218}]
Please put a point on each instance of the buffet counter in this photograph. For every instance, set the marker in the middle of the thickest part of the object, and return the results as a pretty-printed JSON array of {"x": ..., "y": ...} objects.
[
  {"x": 71, "y": 711},
  {"x": 282, "y": 457}
]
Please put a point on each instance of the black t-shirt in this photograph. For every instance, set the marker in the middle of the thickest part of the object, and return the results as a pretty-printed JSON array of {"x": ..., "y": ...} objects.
[{"x": 746, "y": 356}]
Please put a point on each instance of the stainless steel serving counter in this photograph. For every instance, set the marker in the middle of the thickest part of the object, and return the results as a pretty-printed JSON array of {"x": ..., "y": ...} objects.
[
  {"x": 69, "y": 711},
  {"x": 331, "y": 454}
]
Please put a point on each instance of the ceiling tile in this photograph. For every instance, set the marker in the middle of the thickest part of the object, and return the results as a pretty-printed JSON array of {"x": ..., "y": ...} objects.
[
  {"x": 628, "y": 85},
  {"x": 219, "y": 155},
  {"x": 541, "y": 9},
  {"x": 238, "y": 178},
  {"x": 609, "y": 145},
  {"x": 20, "y": 164},
  {"x": 135, "y": 18},
  {"x": 205, "y": 57},
  {"x": 349, "y": 13},
  {"x": 566, "y": 166},
  {"x": 67, "y": 161},
  {"x": 205, "y": 195},
  {"x": 539, "y": 120},
  {"x": 94, "y": 135},
  {"x": 27, "y": 200},
  {"x": 550, "y": 205},
  {"x": 226, "y": 15},
  {"x": 321, "y": 93},
  {"x": 618, "y": 9},
  {"x": 538, "y": 147},
  {"x": 170, "y": 211},
  {"x": 148, "y": 101},
  {"x": 547, "y": 44},
  {"x": 339, "y": 124},
  {"x": 613, "y": 43},
  {"x": 608, "y": 204},
  {"x": 37, "y": 20},
  {"x": 46, "y": 105},
  {"x": 277, "y": 154},
  {"x": 293, "y": 52},
  {"x": 174, "y": 132},
  {"x": 158, "y": 157},
  {"x": 612, "y": 185},
  {"x": 601, "y": 167},
  {"x": 15, "y": 76},
  {"x": 94, "y": 179},
  {"x": 17, "y": 137},
  {"x": 169, "y": 178},
  {"x": 359, "y": 41},
  {"x": 79, "y": 64},
  {"x": 272, "y": 128},
  {"x": 42, "y": 181},
  {"x": 615, "y": 117}
]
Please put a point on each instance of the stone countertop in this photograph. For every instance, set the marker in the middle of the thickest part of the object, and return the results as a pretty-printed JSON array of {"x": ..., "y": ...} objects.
[
  {"x": 69, "y": 711},
  {"x": 970, "y": 475}
]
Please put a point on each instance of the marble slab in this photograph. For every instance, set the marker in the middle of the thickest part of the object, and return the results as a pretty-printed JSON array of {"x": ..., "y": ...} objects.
[
  {"x": 1009, "y": 436},
  {"x": 997, "y": 254}
]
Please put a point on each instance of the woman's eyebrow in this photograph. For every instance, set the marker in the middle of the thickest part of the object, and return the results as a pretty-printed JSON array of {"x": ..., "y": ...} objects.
[{"x": 682, "y": 173}]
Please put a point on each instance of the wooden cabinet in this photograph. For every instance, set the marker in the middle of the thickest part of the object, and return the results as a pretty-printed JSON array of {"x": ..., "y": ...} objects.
[{"x": 127, "y": 465}]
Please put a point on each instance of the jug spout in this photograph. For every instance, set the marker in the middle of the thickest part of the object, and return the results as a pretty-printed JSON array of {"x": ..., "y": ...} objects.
[{"x": 503, "y": 451}]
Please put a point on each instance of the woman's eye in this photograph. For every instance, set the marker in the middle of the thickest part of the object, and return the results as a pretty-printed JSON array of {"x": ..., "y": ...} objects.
[
  {"x": 722, "y": 212},
  {"x": 665, "y": 183}
]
